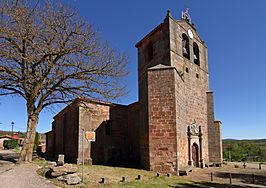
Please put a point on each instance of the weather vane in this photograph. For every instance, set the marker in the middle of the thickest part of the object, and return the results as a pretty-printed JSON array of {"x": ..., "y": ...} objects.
[{"x": 186, "y": 16}]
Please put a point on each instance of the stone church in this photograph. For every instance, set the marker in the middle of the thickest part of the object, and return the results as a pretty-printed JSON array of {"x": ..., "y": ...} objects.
[{"x": 171, "y": 126}]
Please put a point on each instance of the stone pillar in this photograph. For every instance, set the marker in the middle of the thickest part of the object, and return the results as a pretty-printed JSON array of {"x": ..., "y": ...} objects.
[
  {"x": 200, "y": 145},
  {"x": 189, "y": 148}
]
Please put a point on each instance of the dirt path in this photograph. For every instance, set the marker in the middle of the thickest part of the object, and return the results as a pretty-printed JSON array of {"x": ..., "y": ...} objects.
[
  {"x": 240, "y": 177},
  {"x": 23, "y": 176},
  {"x": 7, "y": 160},
  {"x": 19, "y": 176}
]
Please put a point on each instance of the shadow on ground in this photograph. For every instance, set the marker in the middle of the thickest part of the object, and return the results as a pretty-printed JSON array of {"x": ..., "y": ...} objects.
[
  {"x": 208, "y": 184},
  {"x": 244, "y": 178},
  {"x": 9, "y": 156}
]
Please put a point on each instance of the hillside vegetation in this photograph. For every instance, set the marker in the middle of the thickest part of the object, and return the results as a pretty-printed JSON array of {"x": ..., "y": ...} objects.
[{"x": 244, "y": 150}]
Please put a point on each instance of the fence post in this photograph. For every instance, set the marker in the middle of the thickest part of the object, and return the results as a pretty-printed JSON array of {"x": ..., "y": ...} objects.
[{"x": 253, "y": 178}]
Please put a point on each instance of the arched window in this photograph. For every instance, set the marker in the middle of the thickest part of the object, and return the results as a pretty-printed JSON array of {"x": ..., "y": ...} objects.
[
  {"x": 196, "y": 54},
  {"x": 150, "y": 52},
  {"x": 185, "y": 46}
]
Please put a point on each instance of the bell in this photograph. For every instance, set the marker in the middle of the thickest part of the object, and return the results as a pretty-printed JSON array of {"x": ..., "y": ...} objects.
[
  {"x": 195, "y": 57},
  {"x": 184, "y": 50}
]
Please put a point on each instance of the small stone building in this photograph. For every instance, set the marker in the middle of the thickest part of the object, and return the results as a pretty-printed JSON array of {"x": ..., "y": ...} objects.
[
  {"x": 8, "y": 137},
  {"x": 2, "y": 139},
  {"x": 170, "y": 127}
]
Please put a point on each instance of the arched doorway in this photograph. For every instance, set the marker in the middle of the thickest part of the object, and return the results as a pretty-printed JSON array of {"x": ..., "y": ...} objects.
[{"x": 195, "y": 155}]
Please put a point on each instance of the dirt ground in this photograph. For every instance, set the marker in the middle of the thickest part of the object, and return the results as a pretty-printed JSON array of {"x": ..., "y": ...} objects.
[
  {"x": 7, "y": 160},
  {"x": 25, "y": 175},
  {"x": 240, "y": 177},
  {"x": 19, "y": 176}
]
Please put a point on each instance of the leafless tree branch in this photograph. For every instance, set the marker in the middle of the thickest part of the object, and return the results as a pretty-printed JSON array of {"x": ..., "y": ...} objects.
[{"x": 50, "y": 55}]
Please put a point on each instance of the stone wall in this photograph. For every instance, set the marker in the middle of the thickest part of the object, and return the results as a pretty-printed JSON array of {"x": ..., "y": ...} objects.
[
  {"x": 113, "y": 140},
  {"x": 50, "y": 144},
  {"x": 218, "y": 142},
  {"x": 215, "y": 137},
  {"x": 162, "y": 118},
  {"x": 116, "y": 127},
  {"x": 158, "y": 40},
  {"x": 134, "y": 133},
  {"x": 93, "y": 117},
  {"x": 63, "y": 139},
  {"x": 195, "y": 85},
  {"x": 118, "y": 144}
]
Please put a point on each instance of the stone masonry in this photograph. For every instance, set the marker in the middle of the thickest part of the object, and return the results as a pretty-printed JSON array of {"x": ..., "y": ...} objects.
[{"x": 171, "y": 127}]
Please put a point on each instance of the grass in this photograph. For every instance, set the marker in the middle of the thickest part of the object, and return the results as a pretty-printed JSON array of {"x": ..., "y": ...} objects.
[
  {"x": 157, "y": 182},
  {"x": 94, "y": 173},
  {"x": 200, "y": 177},
  {"x": 113, "y": 175}
]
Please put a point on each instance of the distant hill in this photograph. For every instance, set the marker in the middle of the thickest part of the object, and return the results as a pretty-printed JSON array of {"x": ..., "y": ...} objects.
[
  {"x": 259, "y": 142},
  {"x": 247, "y": 149},
  {"x": 20, "y": 134}
]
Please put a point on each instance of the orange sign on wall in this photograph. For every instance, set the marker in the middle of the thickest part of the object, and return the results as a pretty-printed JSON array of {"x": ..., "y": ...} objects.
[{"x": 90, "y": 136}]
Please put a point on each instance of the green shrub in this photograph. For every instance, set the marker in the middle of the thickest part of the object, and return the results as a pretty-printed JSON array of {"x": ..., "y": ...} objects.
[
  {"x": 36, "y": 141},
  {"x": 10, "y": 144}
]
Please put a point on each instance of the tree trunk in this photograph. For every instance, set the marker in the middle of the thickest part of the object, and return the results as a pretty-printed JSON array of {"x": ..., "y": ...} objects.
[{"x": 27, "y": 149}]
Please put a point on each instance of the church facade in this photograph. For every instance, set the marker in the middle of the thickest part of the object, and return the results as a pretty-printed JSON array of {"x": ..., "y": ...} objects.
[{"x": 171, "y": 126}]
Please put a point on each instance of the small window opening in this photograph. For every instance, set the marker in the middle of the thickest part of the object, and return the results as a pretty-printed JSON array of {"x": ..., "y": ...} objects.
[
  {"x": 187, "y": 70},
  {"x": 185, "y": 46},
  {"x": 150, "y": 52},
  {"x": 107, "y": 128},
  {"x": 196, "y": 54},
  {"x": 197, "y": 75}
]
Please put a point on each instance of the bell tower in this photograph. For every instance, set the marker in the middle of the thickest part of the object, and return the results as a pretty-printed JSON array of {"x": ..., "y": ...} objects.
[{"x": 176, "y": 107}]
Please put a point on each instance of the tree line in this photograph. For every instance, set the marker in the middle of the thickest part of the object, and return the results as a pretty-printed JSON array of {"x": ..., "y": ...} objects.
[{"x": 245, "y": 151}]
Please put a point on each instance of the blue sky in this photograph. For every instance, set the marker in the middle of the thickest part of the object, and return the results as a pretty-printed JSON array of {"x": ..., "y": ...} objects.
[{"x": 234, "y": 32}]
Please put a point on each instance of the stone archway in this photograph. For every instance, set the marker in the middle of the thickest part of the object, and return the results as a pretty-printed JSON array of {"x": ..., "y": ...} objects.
[
  {"x": 195, "y": 150},
  {"x": 195, "y": 154}
]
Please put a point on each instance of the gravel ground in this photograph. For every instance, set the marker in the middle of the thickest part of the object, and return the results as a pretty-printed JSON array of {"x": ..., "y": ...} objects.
[
  {"x": 5, "y": 166},
  {"x": 7, "y": 160},
  {"x": 23, "y": 176},
  {"x": 241, "y": 177},
  {"x": 19, "y": 176}
]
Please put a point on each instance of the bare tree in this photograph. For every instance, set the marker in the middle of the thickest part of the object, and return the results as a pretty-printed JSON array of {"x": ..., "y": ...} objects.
[{"x": 50, "y": 55}]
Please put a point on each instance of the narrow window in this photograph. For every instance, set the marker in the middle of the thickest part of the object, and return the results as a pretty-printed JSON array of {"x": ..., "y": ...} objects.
[
  {"x": 150, "y": 52},
  {"x": 197, "y": 75},
  {"x": 107, "y": 128},
  {"x": 187, "y": 70},
  {"x": 65, "y": 127},
  {"x": 196, "y": 54},
  {"x": 185, "y": 46}
]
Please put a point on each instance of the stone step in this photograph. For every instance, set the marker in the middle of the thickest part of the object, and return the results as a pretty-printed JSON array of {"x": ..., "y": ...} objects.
[{"x": 185, "y": 170}]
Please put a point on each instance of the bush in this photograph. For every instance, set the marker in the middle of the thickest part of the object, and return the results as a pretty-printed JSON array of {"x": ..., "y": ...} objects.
[
  {"x": 36, "y": 141},
  {"x": 10, "y": 144}
]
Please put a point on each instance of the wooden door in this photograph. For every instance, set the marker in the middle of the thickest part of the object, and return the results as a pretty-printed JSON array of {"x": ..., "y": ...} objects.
[{"x": 195, "y": 155}]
